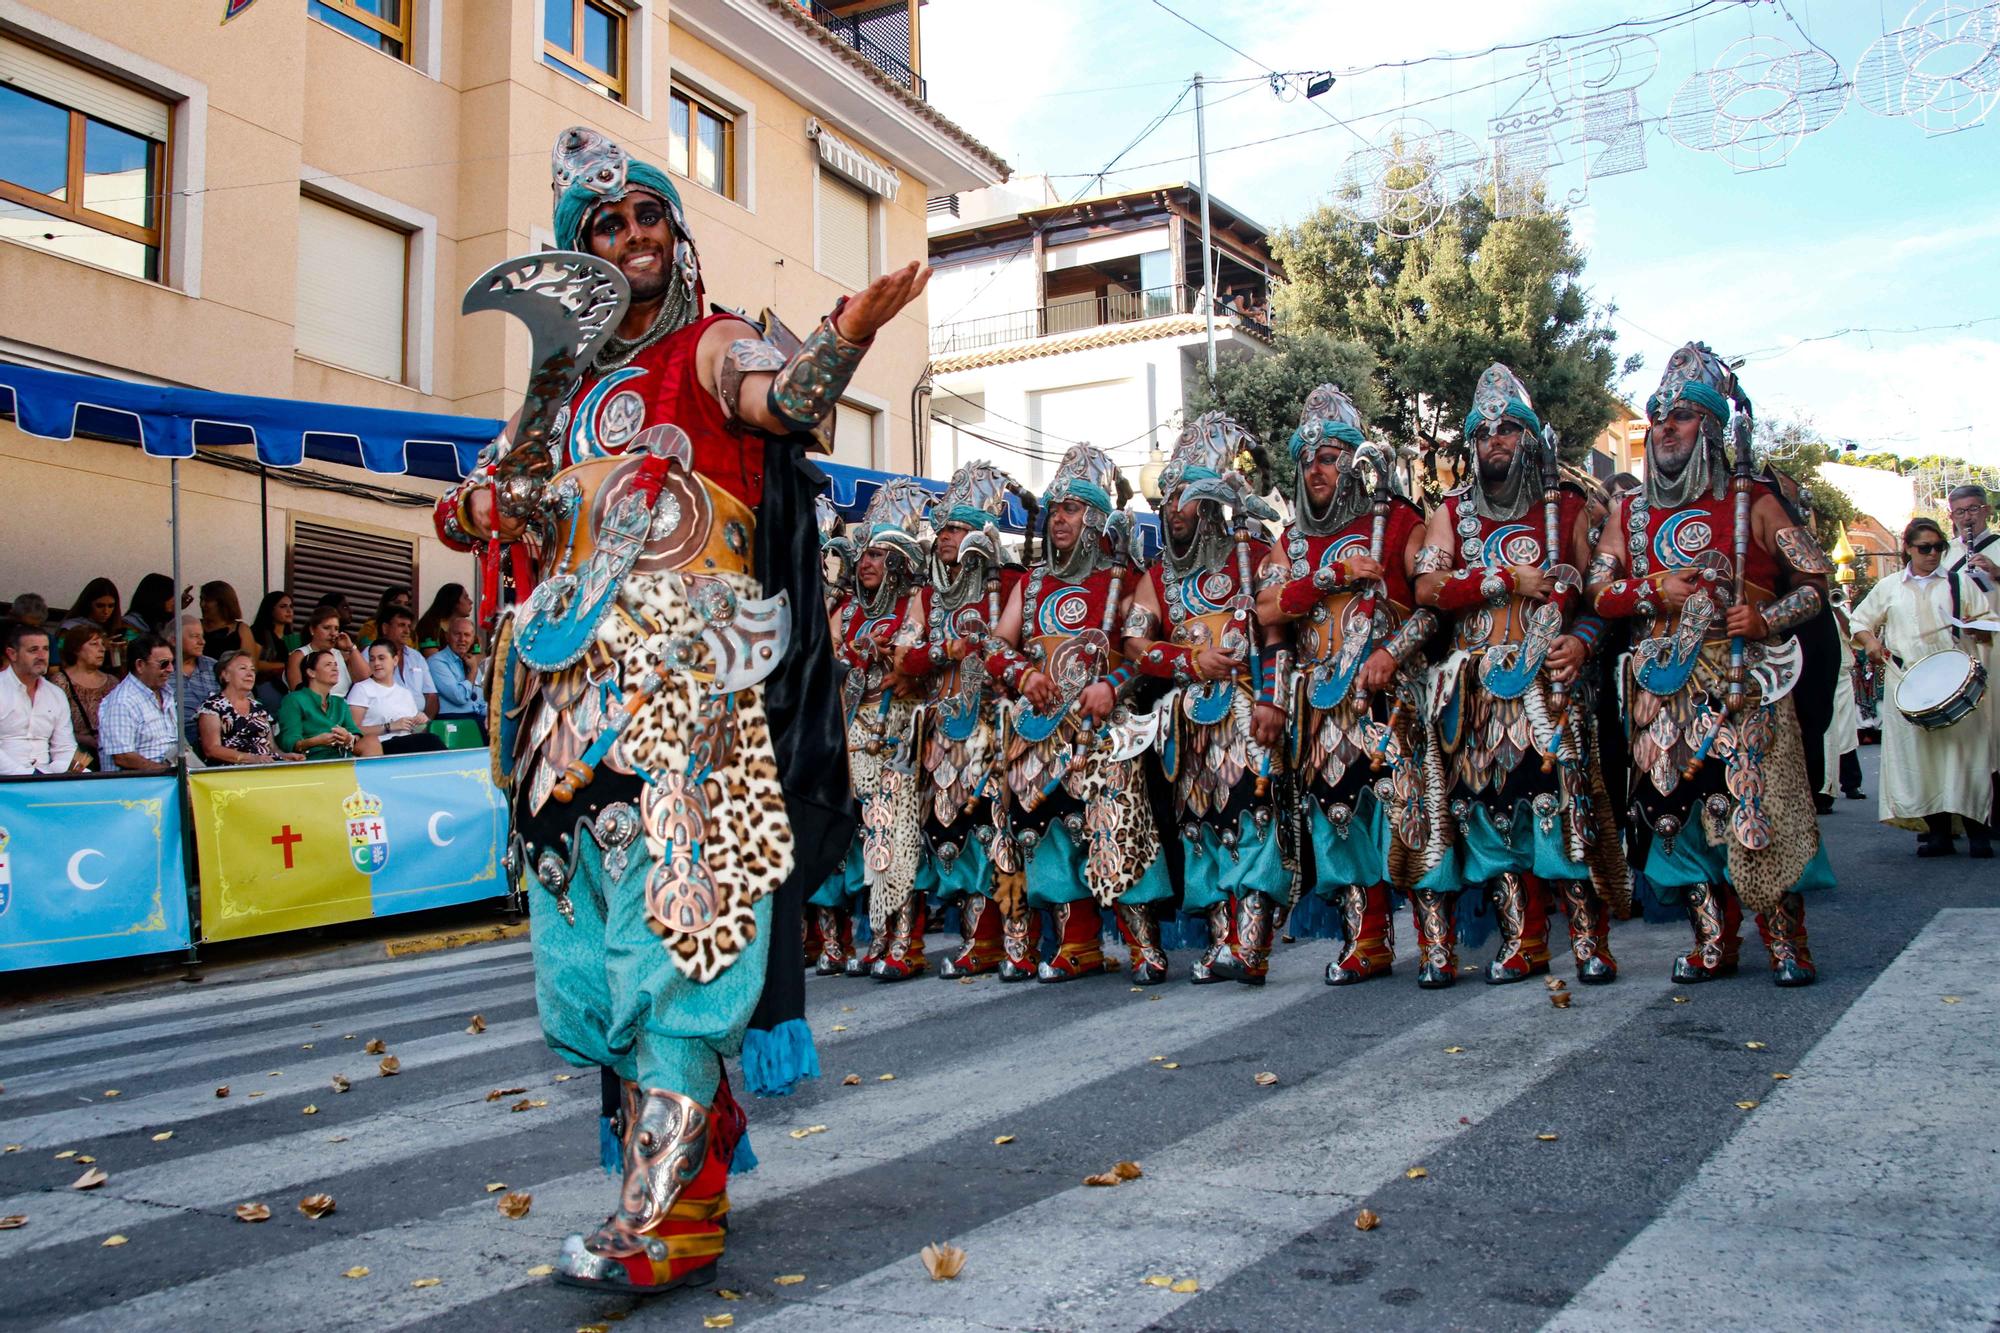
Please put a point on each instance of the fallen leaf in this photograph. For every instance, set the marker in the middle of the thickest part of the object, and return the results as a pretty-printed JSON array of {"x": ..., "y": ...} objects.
[
  {"x": 593, "y": 1328},
  {"x": 1138, "y": 990},
  {"x": 790, "y": 1279},
  {"x": 375, "y": 1046},
  {"x": 1559, "y": 998},
  {"x": 1004, "y": 1138},
  {"x": 111, "y": 1092},
  {"x": 1127, "y": 1171},
  {"x": 113, "y": 1242},
  {"x": 846, "y": 1008},
  {"x": 86, "y": 1160},
  {"x": 12, "y": 1147},
  {"x": 1555, "y": 983},
  {"x": 717, "y": 1320},
  {"x": 808, "y": 1131},
  {"x": 498, "y": 1093},
  {"x": 1454, "y": 1050},
  {"x": 1160, "y": 1280},
  {"x": 496, "y": 1186},
  {"x": 1365, "y": 1220},
  {"x": 222, "y": 1091},
  {"x": 253, "y": 1212},
  {"x": 725, "y": 1294},
  {"x": 1152, "y": 999},
  {"x": 316, "y": 1206},
  {"x": 1185, "y": 1285},
  {"x": 942, "y": 1261},
  {"x": 840, "y": 1027},
  {"x": 424, "y": 1282},
  {"x": 1156, "y": 1058},
  {"x": 256, "y": 1094},
  {"x": 357, "y": 1271},
  {"x": 347, "y": 1036},
  {"x": 390, "y": 1066},
  {"x": 13, "y": 1221},
  {"x": 275, "y": 1073},
  {"x": 65, "y": 1154},
  {"x": 1103, "y": 1179},
  {"x": 477, "y": 1025},
  {"x": 1781, "y": 1077},
  {"x": 885, "y": 1078},
  {"x": 1951, "y": 999},
  {"x": 1171, "y": 1064},
  {"x": 516, "y": 1205},
  {"x": 163, "y": 1136},
  {"x": 1680, "y": 999},
  {"x": 1415, "y": 1173},
  {"x": 90, "y": 1179},
  {"x": 1753, "y": 1045},
  {"x": 529, "y": 1104},
  {"x": 1746, "y": 1106},
  {"x": 338, "y": 1138},
  {"x": 308, "y": 1046},
  {"x": 541, "y": 1270},
  {"x": 1547, "y": 1138},
  {"x": 309, "y": 1109},
  {"x": 341, "y": 1083},
  {"x": 1463, "y": 1120},
  {"x": 967, "y": 981},
  {"x": 564, "y": 1078},
  {"x": 851, "y": 1081},
  {"x": 1265, "y": 1079}
]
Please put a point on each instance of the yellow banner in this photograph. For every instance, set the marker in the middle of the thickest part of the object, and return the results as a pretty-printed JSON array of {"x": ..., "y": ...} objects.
[{"x": 272, "y": 848}]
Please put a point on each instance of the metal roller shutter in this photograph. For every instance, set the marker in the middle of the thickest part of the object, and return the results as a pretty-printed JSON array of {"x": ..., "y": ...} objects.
[
  {"x": 33, "y": 70},
  {"x": 325, "y": 558},
  {"x": 846, "y": 246}
]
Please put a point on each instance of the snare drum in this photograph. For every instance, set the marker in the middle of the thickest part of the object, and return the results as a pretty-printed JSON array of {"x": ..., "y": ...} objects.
[{"x": 1941, "y": 689}]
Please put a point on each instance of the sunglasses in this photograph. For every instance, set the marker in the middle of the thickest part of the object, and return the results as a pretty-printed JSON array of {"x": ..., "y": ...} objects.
[{"x": 1927, "y": 548}]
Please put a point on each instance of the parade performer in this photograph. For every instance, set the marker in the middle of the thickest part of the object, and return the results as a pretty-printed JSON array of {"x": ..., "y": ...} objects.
[
  {"x": 882, "y": 616},
  {"x": 1843, "y": 737},
  {"x": 1342, "y": 576},
  {"x": 1194, "y": 625},
  {"x": 1714, "y": 574},
  {"x": 971, "y": 580},
  {"x": 1973, "y": 564},
  {"x": 664, "y": 710},
  {"x": 1078, "y": 823},
  {"x": 1500, "y": 557}
]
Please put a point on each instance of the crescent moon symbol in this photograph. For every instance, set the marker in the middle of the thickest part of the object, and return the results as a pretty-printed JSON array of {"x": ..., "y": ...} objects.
[
  {"x": 433, "y": 827},
  {"x": 76, "y": 876}
]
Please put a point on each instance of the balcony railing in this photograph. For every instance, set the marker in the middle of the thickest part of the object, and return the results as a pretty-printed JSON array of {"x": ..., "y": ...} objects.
[
  {"x": 863, "y": 33},
  {"x": 1071, "y": 316}
]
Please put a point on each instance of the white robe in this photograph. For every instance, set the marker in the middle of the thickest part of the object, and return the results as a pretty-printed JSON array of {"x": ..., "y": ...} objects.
[
  {"x": 1844, "y": 733},
  {"x": 1948, "y": 770}
]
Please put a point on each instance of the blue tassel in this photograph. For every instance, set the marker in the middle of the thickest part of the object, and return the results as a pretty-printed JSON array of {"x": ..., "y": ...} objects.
[
  {"x": 742, "y": 1161},
  {"x": 775, "y": 1061},
  {"x": 1315, "y": 919},
  {"x": 609, "y": 1150}
]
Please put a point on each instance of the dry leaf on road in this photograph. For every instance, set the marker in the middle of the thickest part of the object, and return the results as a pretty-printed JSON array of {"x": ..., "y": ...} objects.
[
  {"x": 790, "y": 1279},
  {"x": 90, "y": 1179},
  {"x": 496, "y": 1187},
  {"x": 529, "y": 1104},
  {"x": 1746, "y": 1106},
  {"x": 13, "y": 1221},
  {"x": 112, "y": 1242},
  {"x": 1160, "y": 1280},
  {"x": 390, "y": 1066},
  {"x": 341, "y": 1083},
  {"x": 516, "y": 1205},
  {"x": 942, "y": 1261},
  {"x": 375, "y": 1046},
  {"x": 1265, "y": 1079},
  {"x": 541, "y": 1270},
  {"x": 851, "y": 1081},
  {"x": 885, "y": 1078},
  {"x": 1781, "y": 1077},
  {"x": 1185, "y": 1285},
  {"x": 498, "y": 1093},
  {"x": 222, "y": 1091},
  {"x": 1127, "y": 1171},
  {"x": 316, "y": 1206},
  {"x": 808, "y": 1131},
  {"x": 1004, "y": 1138},
  {"x": 1753, "y": 1045},
  {"x": 718, "y": 1320},
  {"x": 1102, "y": 1178},
  {"x": 309, "y": 1109},
  {"x": 477, "y": 1025},
  {"x": 65, "y": 1154},
  {"x": 1555, "y": 983},
  {"x": 1559, "y": 998},
  {"x": 1454, "y": 1050},
  {"x": 111, "y": 1092},
  {"x": 1415, "y": 1173},
  {"x": 359, "y": 1270},
  {"x": 86, "y": 1160},
  {"x": 1366, "y": 1220},
  {"x": 253, "y": 1212},
  {"x": 1546, "y": 1138},
  {"x": 425, "y": 1282},
  {"x": 725, "y": 1294},
  {"x": 1171, "y": 1064}
]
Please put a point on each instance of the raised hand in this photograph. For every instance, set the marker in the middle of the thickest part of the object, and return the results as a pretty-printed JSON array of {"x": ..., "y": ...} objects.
[{"x": 881, "y": 301}]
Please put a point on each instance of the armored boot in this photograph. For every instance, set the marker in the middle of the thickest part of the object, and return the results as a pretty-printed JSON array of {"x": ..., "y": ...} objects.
[
  {"x": 1784, "y": 932},
  {"x": 1717, "y": 917},
  {"x": 1218, "y": 962},
  {"x": 1142, "y": 937},
  {"x": 1255, "y": 914},
  {"x": 1589, "y": 931},
  {"x": 835, "y": 928},
  {"x": 815, "y": 940},
  {"x": 1370, "y": 950},
  {"x": 861, "y": 963},
  {"x": 1435, "y": 916},
  {"x": 670, "y": 1225},
  {"x": 979, "y": 918},
  {"x": 902, "y": 955},
  {"x": 1521, "y": 903},
  {"x": 1020, "y": 945},
  {"x": 1080, "y": 953}
]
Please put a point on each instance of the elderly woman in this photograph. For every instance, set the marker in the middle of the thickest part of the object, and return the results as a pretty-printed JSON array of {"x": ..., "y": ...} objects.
[
  {"x": 233, "y": 726},
  {"x": 1930, "y": 774},
  {"x": 315, "y": 720},
  {"x": 387, "y": 710}
]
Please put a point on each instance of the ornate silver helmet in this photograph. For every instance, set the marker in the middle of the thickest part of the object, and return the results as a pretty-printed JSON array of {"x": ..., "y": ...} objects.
[
  {"x": 894, "y": 521},
  {"x": 1500, "y": 396},
  {"x": 1696, "y": 376},
  {"x": 976, "y": 498},
  {"x": 1329, "y": 417}
]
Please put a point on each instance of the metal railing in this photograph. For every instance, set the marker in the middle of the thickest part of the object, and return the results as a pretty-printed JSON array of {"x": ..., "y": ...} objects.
[
  {"x": 851, "y": 34},
  {"x": 1071, "y": 315}
]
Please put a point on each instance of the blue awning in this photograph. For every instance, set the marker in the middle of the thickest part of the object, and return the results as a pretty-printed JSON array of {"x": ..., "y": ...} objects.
[{"x": 173, "y": 423}]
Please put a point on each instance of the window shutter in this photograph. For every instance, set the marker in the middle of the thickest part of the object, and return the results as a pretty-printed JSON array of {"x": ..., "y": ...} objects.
[
  {"x": 326, "y": 558},
  {"x": 846, "y": 250},
  {"x": 853, "y": 435},
  {"x": 33, "y": 70},
  {"x": 352, "y": 284}
]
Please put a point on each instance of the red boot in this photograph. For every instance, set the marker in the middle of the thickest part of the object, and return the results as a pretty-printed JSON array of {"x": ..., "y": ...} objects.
[
  {"x": 1718, "y": 922},
  {"x": 1142, "y": 937},
  {"x": 1080, "y": 928},
  {"x": 1589, "y": 931},
  {"x": 979, "y": 918},
  {"x": 903, "y": 943},
  {"x": 1371, "y": 941},
  {"x": 1784, "y": 932},
  {"x": 1521, "y": 902},
  {"x": 1435, "y": 916}
]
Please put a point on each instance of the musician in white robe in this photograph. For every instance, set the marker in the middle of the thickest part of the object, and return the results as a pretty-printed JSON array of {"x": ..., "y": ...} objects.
[
  {"x": 1929, "y": 774},
  {"x": 1973, "y": 562}
]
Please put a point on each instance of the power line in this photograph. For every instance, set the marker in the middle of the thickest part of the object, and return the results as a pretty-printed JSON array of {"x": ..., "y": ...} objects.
[
  {"x": 1776, "y": 350},
  {"x": 1046, "y": 435},
  {"x": 1268, "y": 69}
]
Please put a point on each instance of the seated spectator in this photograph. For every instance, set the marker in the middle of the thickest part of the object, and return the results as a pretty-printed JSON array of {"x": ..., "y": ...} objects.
[
  {"x": 326, "y": 635},
  {"x": 135, "y": 724},
  {"x": 315, "y": 720},
  {"x": 84, "y": 681},
  {"x": 452, "y": 601},
  {"x": 272, "y": 634},
  {"x": 35, "y": 735},
  {"x": 455, "y": 673},
  {"x": 30, "y": 608},
  {"x": 222, "y": 624},
  {"x": 197, "y": 676},
  {"x": 234, "y": 727},
  {"x": 396, "y": 595},
  {"x": 387, "y": 709},
  {"x": 99, "y": 604},
  {"x": 412, "y": 671},
  {"x": 151, "y": 610}
]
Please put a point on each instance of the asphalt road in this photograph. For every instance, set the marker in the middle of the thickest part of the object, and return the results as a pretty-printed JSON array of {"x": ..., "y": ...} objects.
[{"x": 1861, "y": 1192}]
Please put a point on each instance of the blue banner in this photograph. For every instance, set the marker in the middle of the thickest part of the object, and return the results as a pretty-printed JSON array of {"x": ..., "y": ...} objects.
[
  {"x": 446, "y": 830},
  {"x": 90, "y": 868}
]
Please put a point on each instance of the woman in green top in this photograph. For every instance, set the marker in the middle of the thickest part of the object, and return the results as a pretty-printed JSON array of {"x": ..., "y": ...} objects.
[{"x": 316, "y": 721}]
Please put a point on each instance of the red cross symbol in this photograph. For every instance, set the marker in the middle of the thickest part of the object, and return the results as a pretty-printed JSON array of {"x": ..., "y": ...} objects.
[{"x": 285, "y": 840}]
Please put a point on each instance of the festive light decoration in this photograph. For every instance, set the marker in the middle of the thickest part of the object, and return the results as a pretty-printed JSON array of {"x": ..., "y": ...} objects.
[
  {"x": 1410, "y": 177},
  {"x": 1757, "y": 103},
  {"x": 1941, "y": 69}
]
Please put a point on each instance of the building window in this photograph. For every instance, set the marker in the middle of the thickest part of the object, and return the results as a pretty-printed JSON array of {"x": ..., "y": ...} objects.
[
  {"x": 854, "y": 435},
  {"x": 701, "y": 143},
  {"x": 83, "y": 163},
  {"x": 585, "y": 39},
  {"x": 846, "y": 243},
  {"x": 328, "y": 557},
  {"x": 382, "y": 24},
  {"x": 353, "y": 290}
]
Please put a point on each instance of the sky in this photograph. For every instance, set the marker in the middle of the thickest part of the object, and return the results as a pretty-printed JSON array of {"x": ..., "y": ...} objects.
[{"x": 1868, "y": 223}]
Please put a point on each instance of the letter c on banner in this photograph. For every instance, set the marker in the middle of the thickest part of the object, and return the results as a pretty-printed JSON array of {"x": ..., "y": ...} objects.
[
  {"x": 433, "y": 826},
  {"x": 76, "y": 873}
]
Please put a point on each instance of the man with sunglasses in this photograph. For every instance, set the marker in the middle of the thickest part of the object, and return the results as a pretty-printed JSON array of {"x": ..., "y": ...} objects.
[{"x": 1723, "y": 805}]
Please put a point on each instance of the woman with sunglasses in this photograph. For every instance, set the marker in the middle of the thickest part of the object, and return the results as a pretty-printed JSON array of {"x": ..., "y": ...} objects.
[{"x": 1929, "y": 774}]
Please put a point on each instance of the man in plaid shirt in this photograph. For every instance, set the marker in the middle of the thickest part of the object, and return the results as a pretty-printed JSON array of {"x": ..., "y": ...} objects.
[{"x": 135, "y": 723}]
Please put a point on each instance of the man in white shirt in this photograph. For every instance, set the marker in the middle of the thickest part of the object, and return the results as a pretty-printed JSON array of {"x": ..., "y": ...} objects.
[
  {"x": 136, "y": 728},
  {"x": 35, "y": 732},
  {"x": 413, "y": 673}
]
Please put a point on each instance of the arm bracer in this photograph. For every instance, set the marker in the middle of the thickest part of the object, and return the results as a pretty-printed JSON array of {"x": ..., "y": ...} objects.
[
  {"x": 1792, "y": 610},
  {"x": 809, "y": 384},
  {"x": 1409, "y": 637}
]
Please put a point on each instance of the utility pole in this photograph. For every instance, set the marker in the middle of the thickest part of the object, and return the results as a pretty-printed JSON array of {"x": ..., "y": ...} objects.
[{"x": 1207, "y": 251}]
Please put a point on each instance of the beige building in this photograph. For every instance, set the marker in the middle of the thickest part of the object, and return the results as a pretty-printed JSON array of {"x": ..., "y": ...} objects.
[{"x": 292, "y": 204}]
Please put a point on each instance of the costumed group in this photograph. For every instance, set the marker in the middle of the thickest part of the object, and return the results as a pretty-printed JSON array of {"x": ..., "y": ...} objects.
[{"x": 706, "y": 747}]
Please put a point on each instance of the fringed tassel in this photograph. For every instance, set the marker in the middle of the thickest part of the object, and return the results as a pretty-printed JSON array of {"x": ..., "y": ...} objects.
[
  {"x": 742, "y": 1161},
  {"x": 609, "y": 1150},
  {"x": 1475, "y": 917},
  {"x": 777, "y": 1059},
  {"x": 1314, "y": 919},
  {"x": 1184, "y": 930}
]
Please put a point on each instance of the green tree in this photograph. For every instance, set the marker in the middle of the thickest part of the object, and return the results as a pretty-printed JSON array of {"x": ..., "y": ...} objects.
[
  {"x": 1264, "y": 394},
  {"x": 1797, "y": 448},
  {"x": 1439, "y": 308}
]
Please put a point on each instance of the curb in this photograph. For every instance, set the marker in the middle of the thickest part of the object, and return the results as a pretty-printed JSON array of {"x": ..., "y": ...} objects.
[{"x": 452, "y": 939}]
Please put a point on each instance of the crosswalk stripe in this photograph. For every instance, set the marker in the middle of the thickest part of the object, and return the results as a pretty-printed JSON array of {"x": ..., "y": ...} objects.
[{"x": 1845, "y": 1190}]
